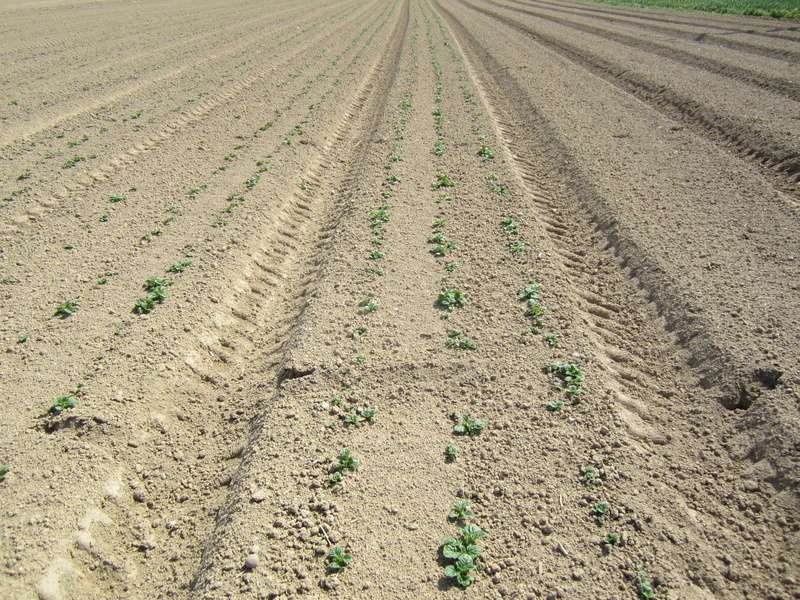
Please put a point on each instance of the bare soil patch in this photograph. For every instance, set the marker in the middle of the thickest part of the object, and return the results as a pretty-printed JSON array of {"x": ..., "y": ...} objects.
[{"x": 279, "y": 279}]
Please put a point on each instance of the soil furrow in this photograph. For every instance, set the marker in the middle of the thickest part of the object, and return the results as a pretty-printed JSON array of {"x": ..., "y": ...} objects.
[
  {"x": 13, "y": 138},
  {"x": 237, "y": 532},
  {"x": 102, "y": 174},
  {"x": 775, "y": 85},
  {"x": 214, "y": 358},
  {"x": 629, "y": 376},
  {"x": 696, "y": 35},
  {"x": 745, "y": 140},
  {"x": 398, "y": 300},
  {"x": 727, "y": 25}
]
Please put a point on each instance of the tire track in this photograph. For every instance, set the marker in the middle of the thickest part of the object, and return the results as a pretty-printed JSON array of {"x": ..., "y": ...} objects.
[
  {"x": 21, "y": 134},
  {"x": 747, "y": 142},
  {"x": 200, "y": 111},
  {"x": 779, "y": 86},
  {"x": 706, "y": 22},
  {"x": 607, "y": 330},
  {"x": 277, "y": 271},
  {"x": 737, "y": 45},
  {"x": 186, "y": 46},
  {"x": 298, "y": 267}
]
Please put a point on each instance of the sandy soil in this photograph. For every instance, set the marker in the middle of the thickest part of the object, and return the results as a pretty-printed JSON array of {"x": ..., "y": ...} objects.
[{"x": 287, "y": 168}]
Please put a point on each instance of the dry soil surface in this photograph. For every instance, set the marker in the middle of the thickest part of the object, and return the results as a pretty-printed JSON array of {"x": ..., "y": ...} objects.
[{"x": 280, "y": 230}]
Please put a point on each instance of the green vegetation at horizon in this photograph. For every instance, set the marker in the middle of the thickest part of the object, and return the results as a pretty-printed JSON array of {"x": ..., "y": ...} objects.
[{"x": 760, "y": 8}]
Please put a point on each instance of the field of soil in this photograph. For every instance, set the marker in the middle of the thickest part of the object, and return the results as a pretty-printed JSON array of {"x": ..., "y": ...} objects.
[{"x": 242, "y": 243}]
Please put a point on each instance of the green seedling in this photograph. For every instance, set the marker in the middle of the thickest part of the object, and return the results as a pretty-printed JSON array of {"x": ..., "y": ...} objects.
[
  {"x": 450, "y": 299},
  {"x": 346, "y": 462},
  {"x": 442, "y": 180},
  {"x": 555, "y": 405},
  {"x": 379, "y": 216},
  {"x": 65, "y": 402},
  {"x": 376, "y": 255},
  {"x": 351, "y": 419},
  {"x": 461, "y": 570},
  {"x": 589, "y": 474},
  {"x": 610, "y": 539},
  {"x": 66, "y": 308},
  {"x": 454, "y": 548},
  {"x": 73, "y": 161},
  {"x": 360, "y": 330},
  {"x": 451, "y": 452},
  {"x": 551, "y": 339},
  {"x": 21, "y": 339},
  {"x": 532, "y": 291},
  {"x": 4, "y": 469},
  {"x": 464, "y": 554},
  {"x": 180, "y": 266},
  {"x": 471, "y": 533},
  {"x": 157, "y": 282},
  {"x": 516, "y": 246},
  {"x": 438, "y": 146},
  {"x": 535, "y": 312},
  {"x": 485, "y": 152},
  {"x": 265, "y": 126},
  {"x": 466, "y": 425},
  {"x": 442, "y": 244},
  {"x": 570, "y": 377},
  {"x": 338, "y": 558},
  {"x": 438, "y": 238},
  {"x": 251, "y": 181},
  {"x": 392, "y": 179},
  {"x": 509, "y": 226},
  {"x": 62, "y": 403},
  {"x": 455, "y": 340},
  {"x": 103, "y": 218},
  {"x": 156, "y": 296},
  {"x": 191, "y": 193},
  {"x": 450, "y": 266},
  {"x": 394, "y": 158},
  {"x": 499, "y": 189},
  {"x": 460, "y": 511},
  {"x": 643, "y": 586},
  {"x": 600, "y": 510},
  {"x": 336, "y": 400},
  {"x": 24, "y": 175},
  {"x": 368, "y": 305},
  {"x": 368, "y": 414},
  {"x": 117, "y": 197}
]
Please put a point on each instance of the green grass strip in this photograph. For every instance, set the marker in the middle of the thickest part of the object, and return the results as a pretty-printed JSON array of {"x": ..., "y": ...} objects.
[{"x": 788, "y": 9}]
